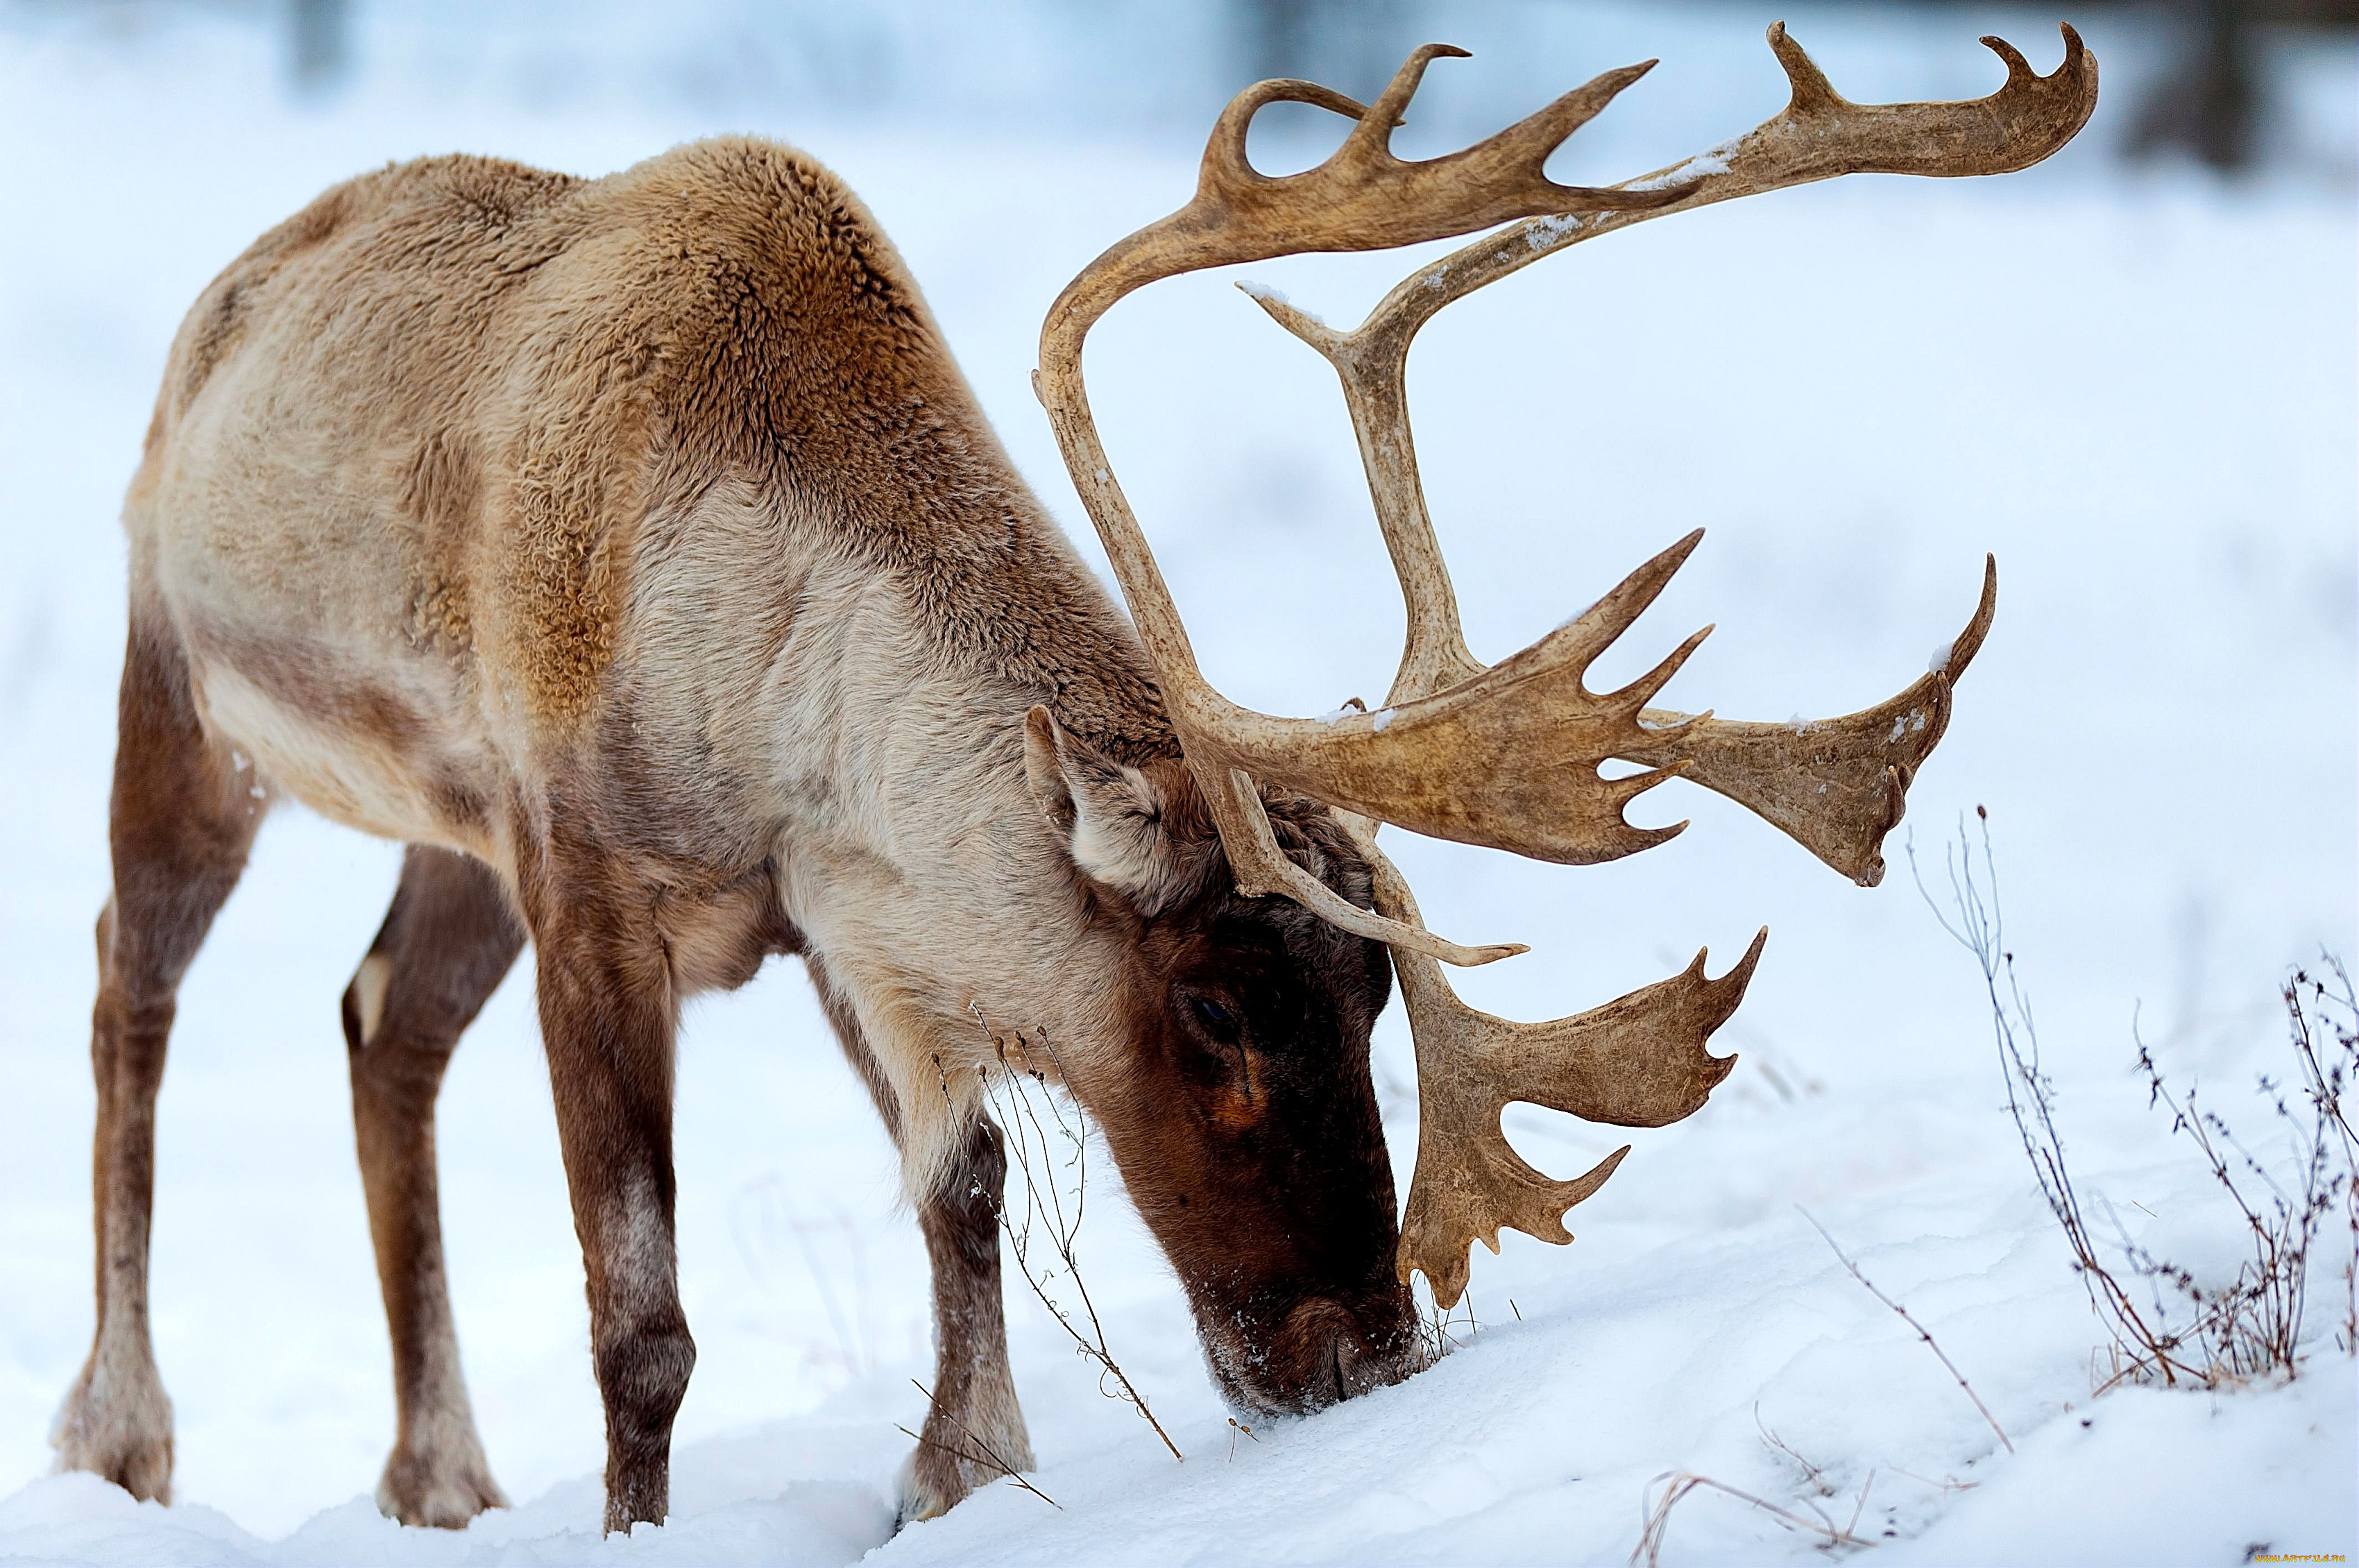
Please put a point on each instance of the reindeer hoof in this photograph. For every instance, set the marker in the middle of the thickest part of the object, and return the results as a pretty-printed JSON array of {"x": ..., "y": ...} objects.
[
  {"x": 118, "y": 1428},
  {"x": 438, "y": 1493},
  {"x": 927, "y": 1490}
]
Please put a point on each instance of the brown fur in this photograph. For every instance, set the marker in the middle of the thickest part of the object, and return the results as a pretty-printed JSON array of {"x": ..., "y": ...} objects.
[
  {"x": 640, "y": 540},
  {"x": 973, "y": 1429},
  {"x": 181, "y": 818},
  {"x": 446, "y": 943}
]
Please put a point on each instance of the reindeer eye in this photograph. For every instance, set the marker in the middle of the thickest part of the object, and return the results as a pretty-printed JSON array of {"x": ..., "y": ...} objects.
[{"x": 1218, "y": 1021}]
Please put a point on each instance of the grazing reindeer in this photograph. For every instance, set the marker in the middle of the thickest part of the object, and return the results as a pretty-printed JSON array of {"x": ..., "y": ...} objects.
[{"x": 632, "y": 550}]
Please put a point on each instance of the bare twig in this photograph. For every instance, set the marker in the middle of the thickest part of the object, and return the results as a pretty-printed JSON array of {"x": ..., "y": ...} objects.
[
  {"x": 2331, "y": 1004},
  {"x": 1922, "y": 1332},
  {"x": 1658, "y": 1515},
  {"x": 983, "y": 1454},
  {"x": 1440, "y": 1331},
  {"x": 1951, "y": 1484},
  {"x": 1032, "y": 1154},
  {"x": 1811, "y": 1473}
]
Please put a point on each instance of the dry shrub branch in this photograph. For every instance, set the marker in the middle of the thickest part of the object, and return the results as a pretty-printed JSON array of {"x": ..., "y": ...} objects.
[
  {"x": 2186, "y": 1331},
  {"x": 1047, "y": 1132},
  {"x": 974, "y": 1448}
]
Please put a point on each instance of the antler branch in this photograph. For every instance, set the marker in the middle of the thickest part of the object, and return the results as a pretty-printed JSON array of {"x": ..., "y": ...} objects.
[
  {"x": 1637, "y": 1061},
  {"x": 1361, "y": 198},
  {"x": 1836, "y": 785},
  {"x": 1508, "y": 757},
  {"x": 1819, "y": 134}
]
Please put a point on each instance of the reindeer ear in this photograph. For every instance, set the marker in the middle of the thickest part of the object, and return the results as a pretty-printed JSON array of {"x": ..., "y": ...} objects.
[{"x": 1111, "y": 817}]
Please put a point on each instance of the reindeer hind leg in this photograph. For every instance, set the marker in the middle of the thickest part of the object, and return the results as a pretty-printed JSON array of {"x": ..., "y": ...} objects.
[
  {"x": 447, "y": 943},
  {"x": 181, "y": 819}
]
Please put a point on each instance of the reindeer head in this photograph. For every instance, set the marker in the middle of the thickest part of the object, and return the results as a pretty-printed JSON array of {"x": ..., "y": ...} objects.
[
  {"x": 1233, "y": 860},
  {"x": 1240, "y": 1110}
]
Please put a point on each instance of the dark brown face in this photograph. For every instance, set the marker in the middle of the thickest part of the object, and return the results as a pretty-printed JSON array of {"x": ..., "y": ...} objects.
[
  {"x": 1249, "y": 1139},
  {"x": 1236, "y": 1098}
]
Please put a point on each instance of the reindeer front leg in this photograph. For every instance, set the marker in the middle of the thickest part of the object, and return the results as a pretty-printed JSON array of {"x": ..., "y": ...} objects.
[
  {"x": 607, "y": 1014},
  {"x": 974, "y": 1429}
]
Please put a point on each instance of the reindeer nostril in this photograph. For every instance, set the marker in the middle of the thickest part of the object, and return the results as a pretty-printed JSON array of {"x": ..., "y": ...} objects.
[{"x": 1340, "y": 1350}]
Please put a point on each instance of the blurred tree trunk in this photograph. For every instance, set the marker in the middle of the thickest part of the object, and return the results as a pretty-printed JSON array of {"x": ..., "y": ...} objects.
[
  {"x": 1349, "y": 45},
  {"x": 2209, "y": 103},
  {"x": 320, "y": 40}
]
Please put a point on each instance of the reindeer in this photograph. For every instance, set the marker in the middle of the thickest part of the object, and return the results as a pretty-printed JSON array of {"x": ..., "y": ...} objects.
[{"x": 633, "y": 551}]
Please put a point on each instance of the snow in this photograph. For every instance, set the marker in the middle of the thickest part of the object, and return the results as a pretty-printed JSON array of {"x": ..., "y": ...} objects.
[
  {"x": 1688, "y": 173},
  {"x": 2137, "y": 390}
]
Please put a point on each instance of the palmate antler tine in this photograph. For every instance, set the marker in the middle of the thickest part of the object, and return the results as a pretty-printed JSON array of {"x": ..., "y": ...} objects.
[
  {"x": 1361, "y": 198},
  {"x": 1835, "y": 785},
  {"x": 1507, "y": 760},
  {"x": 1637, "y": 1061}
]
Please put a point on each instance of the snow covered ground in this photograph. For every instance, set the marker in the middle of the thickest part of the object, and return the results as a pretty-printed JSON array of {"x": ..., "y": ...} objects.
[{"x": 2138, "y": 391}]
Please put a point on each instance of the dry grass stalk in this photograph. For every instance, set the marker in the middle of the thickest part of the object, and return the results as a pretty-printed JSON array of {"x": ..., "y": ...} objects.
[
  {"x": 1441, "y": 1329},
  {"x": 1033, "y": 1156},
  {"x": 1922, "y": 1332},
  {"x": 1813, "y": 1474},
  {"x": 1948, "y": 1484},
  {"x": 2252, "y": 1326},
  {"x": 1659, "y": 1514},
  {"x": 980, "y": 1453}
]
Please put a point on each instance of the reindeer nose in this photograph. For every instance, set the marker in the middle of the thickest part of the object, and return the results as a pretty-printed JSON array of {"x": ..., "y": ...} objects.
[
  {"x": 1359, "y": 1369},
  {"x": 1348, "y": 1351}
]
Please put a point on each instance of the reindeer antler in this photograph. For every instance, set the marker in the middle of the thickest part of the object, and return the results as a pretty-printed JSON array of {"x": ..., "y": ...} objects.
[
  {"x": 1361, "y": 198},
  {"x": 1508, "y": 756}
]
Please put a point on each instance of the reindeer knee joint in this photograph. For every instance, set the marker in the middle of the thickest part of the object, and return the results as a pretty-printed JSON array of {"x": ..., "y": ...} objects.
[{"x": 643, "y": 1371}]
